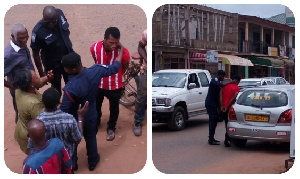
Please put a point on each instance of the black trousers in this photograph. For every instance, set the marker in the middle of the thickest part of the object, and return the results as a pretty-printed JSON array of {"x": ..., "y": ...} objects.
[
  {"x": 113, "y": 96},
  {"x": 224, "y": 115},
  {"x": 58, "y": 73},
  {"x": 213, "y": 115}
]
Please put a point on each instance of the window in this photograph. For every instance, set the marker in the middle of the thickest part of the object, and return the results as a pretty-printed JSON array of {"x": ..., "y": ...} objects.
[
  {"x": 175, "y": 80},
  {"x": 203, "y": 79},
  {"x": 263, "y": 98},
  {"x": 194, "y": 79}
]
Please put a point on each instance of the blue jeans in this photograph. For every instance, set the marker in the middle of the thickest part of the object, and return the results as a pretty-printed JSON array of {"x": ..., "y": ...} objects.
[{"x": 141, "y": 99}]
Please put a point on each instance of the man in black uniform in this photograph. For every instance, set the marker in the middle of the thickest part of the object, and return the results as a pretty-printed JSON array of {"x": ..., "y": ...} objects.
[
  {"x": 50, "y": 42},
  {"x": 212, "y": 105}
]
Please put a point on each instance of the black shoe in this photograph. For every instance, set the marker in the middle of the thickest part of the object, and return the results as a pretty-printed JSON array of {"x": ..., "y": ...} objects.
[
  {"x": 227, "y": 143},
  {"x": 213, "y": 142},
  {"x": 216, "y": 140},
  {"x": 91, "y": 168}
]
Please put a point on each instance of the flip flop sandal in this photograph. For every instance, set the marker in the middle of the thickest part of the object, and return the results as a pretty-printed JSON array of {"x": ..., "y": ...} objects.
[{"x": 110, "y": 135}]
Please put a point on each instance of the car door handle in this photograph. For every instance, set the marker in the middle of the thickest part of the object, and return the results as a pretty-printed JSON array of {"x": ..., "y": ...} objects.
[{"x": 200, "y": 92}]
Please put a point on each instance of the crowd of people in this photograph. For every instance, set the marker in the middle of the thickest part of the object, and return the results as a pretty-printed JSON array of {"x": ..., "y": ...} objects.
[{"x": 44, "y": 125}]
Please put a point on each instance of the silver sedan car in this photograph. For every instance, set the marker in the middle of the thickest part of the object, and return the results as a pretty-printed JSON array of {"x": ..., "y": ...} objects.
[{"x": 262, "y": 113}]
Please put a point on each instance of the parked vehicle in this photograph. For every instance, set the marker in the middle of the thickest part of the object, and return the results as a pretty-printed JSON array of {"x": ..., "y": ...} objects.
[
  {"x": 177, "y": 95},
  {"x": 254, "y": 82},
  {"x": 262, "y": 113},
  {"x": 278, "y": 80}
]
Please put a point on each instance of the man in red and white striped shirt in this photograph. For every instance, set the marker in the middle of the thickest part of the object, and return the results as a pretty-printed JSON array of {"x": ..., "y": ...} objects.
[{"x": 105, "y": 52}]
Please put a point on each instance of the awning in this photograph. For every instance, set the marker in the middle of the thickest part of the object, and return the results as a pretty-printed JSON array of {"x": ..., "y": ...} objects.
[
  {"x": 275, "y": 62},
  {"x": 267, "y": 61},
  {"x": 234, "y": 60},
  {"x": 288, "y": 62},
  {"x": 260, "y": 61}
]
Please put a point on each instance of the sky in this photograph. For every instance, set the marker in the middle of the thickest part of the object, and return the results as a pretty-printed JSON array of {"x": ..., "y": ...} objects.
[{"x": 259, "y": 10}]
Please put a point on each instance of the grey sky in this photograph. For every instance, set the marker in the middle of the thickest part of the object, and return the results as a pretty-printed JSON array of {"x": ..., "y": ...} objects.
[{"x": 259, "y": 10}]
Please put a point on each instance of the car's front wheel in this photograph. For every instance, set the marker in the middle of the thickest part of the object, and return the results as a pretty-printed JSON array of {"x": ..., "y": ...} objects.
[{"x": 178, "y": 119}]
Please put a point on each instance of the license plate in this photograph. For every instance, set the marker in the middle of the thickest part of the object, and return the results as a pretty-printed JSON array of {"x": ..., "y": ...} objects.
[{"x": 257, "y": 118}]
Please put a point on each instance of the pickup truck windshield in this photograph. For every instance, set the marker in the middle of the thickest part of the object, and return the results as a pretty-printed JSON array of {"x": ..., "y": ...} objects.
[{"x": 176, "y": 80}]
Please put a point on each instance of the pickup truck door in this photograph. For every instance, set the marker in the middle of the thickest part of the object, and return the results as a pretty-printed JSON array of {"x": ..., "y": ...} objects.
[{"x": 196, "y": 96}]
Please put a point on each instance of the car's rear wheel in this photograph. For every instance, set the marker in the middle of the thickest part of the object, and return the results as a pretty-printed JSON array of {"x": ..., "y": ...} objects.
[
  {"x": 178, "y": 120},
  {"x": 239, "y": 142}
]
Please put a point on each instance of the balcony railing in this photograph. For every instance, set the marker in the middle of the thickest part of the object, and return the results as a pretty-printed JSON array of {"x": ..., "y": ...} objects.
[{"x": 259, "y": 47}]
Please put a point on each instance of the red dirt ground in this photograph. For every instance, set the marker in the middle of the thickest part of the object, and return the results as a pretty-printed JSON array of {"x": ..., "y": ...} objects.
[{"x": 127, "y": 153}]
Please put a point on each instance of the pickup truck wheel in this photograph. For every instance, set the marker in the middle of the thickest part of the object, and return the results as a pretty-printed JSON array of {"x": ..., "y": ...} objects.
[{"x": 178, "y": 120}]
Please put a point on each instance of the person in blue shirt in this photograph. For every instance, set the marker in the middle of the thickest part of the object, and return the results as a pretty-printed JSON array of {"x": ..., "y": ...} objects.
[
  {"x": 212, "y": 104},
  {"x": 16, "y": 57},
  {"x": 82, "y": 87}
]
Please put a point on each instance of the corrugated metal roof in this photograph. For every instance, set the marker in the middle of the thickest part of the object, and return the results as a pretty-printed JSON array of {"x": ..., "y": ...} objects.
[{"x": 280, "y": 18}]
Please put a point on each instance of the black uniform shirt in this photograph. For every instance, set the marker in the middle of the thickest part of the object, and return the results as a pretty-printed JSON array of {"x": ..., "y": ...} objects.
[
  {"x": 53, "y": 43},
  {"x": 212, "y": 98}
]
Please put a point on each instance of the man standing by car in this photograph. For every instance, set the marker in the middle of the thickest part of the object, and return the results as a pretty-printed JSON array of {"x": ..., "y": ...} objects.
[
  {"x": 228, "y": 95},
  {"x": 50, "y": 42},
  {"x": 212, "y": 104},
  {"x": 105, "y": 53}
]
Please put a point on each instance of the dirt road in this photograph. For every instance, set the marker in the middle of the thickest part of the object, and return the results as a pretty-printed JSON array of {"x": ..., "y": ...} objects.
[{"x": 126, "y": 154}]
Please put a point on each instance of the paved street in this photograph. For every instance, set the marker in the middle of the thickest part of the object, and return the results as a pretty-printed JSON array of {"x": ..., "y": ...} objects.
[{"x": 187, "y": 151}]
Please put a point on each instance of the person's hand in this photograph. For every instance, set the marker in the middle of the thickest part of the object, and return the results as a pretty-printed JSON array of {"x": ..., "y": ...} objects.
[
  {"x": 50, "y": 75},
  {"x": 120, "y": 46},
  {"x": 223, "y": 109},
  {"x": 11, "y": 86},
  {"x": 82, "y": 110}
]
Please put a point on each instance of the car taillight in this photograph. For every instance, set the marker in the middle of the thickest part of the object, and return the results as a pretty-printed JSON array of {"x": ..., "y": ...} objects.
[
  {"x": 231, "y": 114},
  {"x": 285, "y": 117}
]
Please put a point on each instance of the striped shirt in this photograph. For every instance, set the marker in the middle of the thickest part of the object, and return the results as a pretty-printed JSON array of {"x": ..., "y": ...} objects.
[
  {"x": 103, "y": 57},
  {"x": 63, "y": 126},
  {"x": 52, "y": 158}
]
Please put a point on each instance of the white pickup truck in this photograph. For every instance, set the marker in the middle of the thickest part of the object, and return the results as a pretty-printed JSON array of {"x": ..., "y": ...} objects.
[{"x": 177, "y": 95}]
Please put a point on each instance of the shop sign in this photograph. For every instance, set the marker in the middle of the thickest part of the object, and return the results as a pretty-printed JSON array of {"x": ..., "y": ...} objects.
[{"x": 212, "y": 56}]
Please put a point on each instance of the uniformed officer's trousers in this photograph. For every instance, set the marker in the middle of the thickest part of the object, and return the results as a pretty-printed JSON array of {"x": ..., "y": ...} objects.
[
  {"x": 213, "y": 115},
  {"x": 90, "y": 130}
]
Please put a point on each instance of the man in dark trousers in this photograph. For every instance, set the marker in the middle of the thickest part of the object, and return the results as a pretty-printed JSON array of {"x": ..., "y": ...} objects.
[
  {"x": 212, "y": 104},
  {"x": 50, "y": 42},
  {"x": 105, "y": 52},
  {"x": 82, "y": 87},
  {"x": 228, "y": 95},
  {"x": 16, "y": 57}
]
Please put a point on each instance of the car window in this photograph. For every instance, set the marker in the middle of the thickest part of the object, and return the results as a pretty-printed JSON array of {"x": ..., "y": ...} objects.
[
  {"x": 249, "y": 83},
  {"x": 281, "y": 81},
  {"x": 203, "y": 79},
  {"x": 194, "y": 79},
  {"x": 263, "y": 98},
  {"x": 176, "y": 80}
]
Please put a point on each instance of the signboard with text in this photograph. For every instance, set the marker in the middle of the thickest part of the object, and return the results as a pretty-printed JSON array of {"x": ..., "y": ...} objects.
[
  {"x": 272, "y": 51},
  {"x": 212, "y": 56}
]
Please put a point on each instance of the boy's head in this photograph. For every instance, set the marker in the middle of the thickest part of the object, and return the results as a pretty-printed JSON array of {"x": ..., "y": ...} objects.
[
  {"x": 51, "y": 98},
  {"x": 237, "y": 79}
]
